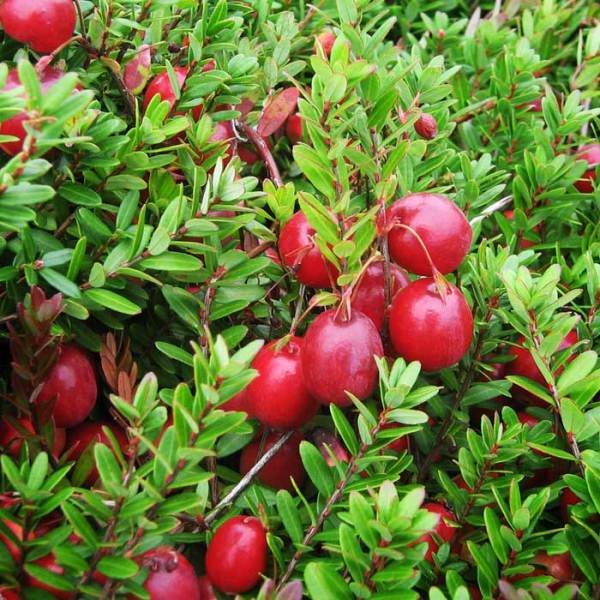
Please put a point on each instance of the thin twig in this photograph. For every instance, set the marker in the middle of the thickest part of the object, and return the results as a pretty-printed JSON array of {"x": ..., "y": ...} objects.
[{"x": 264, "y": 152}]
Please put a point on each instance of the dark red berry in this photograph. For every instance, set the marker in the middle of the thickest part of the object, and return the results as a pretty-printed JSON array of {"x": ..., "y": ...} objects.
[
  {"x": 42, "y": 24},
  {"x": 11, "y": 440},
  {"x": 238, "y": 403},
  {"x": 294, "y": 128},
  {"x": 568, "y": 498},
  {"x": 170, "y": 575},
  {"x": 49, "y": 563},
  {"x": 439, "y": 223},
  {"x": 325, "y": 40},
  {"x": 527, "y": 419},
  {"x": 400, "y": 444},
  {"x": 591, "y": 154},
  {"x": 15, "y": 125},
  {"x": 206, "y": 589},
  {"x": 426, "y": 126},
  {"x": 72, "y": 383},
  {"x": 524, "y": 366},
  {"x": 556, "y": 565},
  {"x": 338, "y": 357},
  {"x": 225, "y": 137},
  {"x": 442, "y": 532},
  {"x": 431, "y": 325},
  {"x": 9, "y": 594},
  {"x": 300, "y": 252},
  {"x": 369, "y": 295},
  {"x": 278, "y": 397},
  {"x": 282, "y": 468},
  {"x": 237, "y": 555},
  {"x": 81, "y": 437},
  {"x": 161, "y": 86}
]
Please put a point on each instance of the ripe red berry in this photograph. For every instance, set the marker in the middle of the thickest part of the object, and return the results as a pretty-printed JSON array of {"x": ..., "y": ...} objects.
[
  {"x": 524, "y": 366},
  {"x": 277, "y": 397},
  {"x": 42, "y": 24},
  {"x": 441, "y": 225},
  {"x": 433, "y": 327},
  {"x": 49, "y": 563},
  {"x": 15, "y": 125},
  {"x": 237, "y": 555},
  {"x": 9, "y": 594},
  {"x": 338, "y": 357},
  {"x": 81, "y": 437},
  {"x": 369, "y": 295},
  {"x": 326, "y": 40},
  {"x": 11, "y": 440},
  {"x": 72, "y": 383},
  {"x": 225, "y": 136},
  {"x": 527, "y": 419},
  {"x": 161, "y": 86},
  {"x": 567, "y": 499},
  {"x": 591, "y": 154},
  {"x": 399, "y": 445},
  {"x": 170, "y": 575},
  {"x": 556, "y": 565},
  {"x": 442, "y": 532},
  {"x": 238, "y": 403},
  {"x": 300, "y": 252},
  {"x": 426, "y": 126},
  {"x": 294, "y": 128},
  {"x": 283, "y": 467},
  {"x": 206, "y": 589}
]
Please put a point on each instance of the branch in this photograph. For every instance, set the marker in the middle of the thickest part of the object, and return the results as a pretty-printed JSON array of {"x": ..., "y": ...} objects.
[
  {"x": 468, "y": 116},
  {"x": 264, "y": 152}
]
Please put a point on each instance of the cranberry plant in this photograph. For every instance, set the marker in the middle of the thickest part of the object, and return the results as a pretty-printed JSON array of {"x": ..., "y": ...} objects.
[{"x": 299, "y": 300}]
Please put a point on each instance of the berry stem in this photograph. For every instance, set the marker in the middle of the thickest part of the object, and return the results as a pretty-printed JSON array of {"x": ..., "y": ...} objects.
[{"x": 264, "y": 152}]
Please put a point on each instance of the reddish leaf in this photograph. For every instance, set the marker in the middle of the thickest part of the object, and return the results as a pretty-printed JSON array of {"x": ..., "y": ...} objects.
[
  {"x": 137, "y": 70},
  {"x": 279, "y": 107}
]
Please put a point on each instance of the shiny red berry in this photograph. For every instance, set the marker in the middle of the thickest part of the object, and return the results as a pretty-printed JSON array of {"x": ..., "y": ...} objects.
[
  {"x": 441, "y": 225},
  {"x": 14, "y": 125},
  {"x": 237, "y": 555},
  {"x": 524, "y": 366},
  {"x": 87, "y": 434},
  {"x": 49, "y": 563},
  {"x": 42, "y": 24},
  {"x": 338, "y": 357},
  {"x": 161, "y": 86},
  {"x": 206, "y": 589},
  {"x": 278, "y": 397},
  {"x": 11, "y": 439},
  {"x": 71, "y": 383},
  {"x": 300, "y": 252},
  {"x": 238, "y": 403},
  {"x": 426, "y": 126},
  {"x": 282, "y": 468},
  {"x": 432, "y": 326},
  {"x": 369, "y": 295},
  {"x": 170, "y": 575},
  {"x": 294, "y": 128},
  {"x": 591, "y": 154},
  {"x": 442, "y": 532}
]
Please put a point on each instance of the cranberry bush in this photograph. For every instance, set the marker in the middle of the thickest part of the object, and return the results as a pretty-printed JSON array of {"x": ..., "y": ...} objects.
[{"x": 299, "y": 300}]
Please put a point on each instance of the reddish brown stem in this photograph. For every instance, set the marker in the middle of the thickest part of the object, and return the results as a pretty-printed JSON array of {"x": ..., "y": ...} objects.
[{"x": 264, "y": 152}]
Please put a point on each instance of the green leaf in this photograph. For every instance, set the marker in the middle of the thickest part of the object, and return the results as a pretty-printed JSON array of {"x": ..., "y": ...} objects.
[
  {"x": 290, "y": 517},
  {"x": 79, "y": 194},
  {"x": 317, "y": 469},
  {"x": 60, "y": 282},
  {"x": 113, "y": 301},
  {"x": 172, "y": 261},
  {"x": 492, "y": 525},
  {"x": 118, "y": 567},
  {"x": 324, "y": 583}
]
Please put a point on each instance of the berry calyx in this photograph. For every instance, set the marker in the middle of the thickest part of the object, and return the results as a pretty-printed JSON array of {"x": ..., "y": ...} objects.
[
  {"x": 88, "y": 434},
  {"x": 369, "y": 295},
  {"x": 441, "y": 226},
  {"x": 282, "y": 468},
  {"x": 170, "y": 575},
  {"x": 44, "y": 25},
  {"x": 426, "y": 126},
  {"x": 432, "y": 326},
  {"x": 338, "y": 357},
  {"x": 524, "y": 366},
  {"x": 237, "y": 555},
  {"x": 442, "y": 532},
  {"x": 71, "y": 385},
  {"x": 591, "y": 154},
  {"x": 300, "y": 252},
  {"x": 278, "y": 397}
]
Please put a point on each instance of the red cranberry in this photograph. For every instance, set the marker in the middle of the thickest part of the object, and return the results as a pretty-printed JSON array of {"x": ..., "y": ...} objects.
[
  {"x": 161, "y": 86},
  {"x": 282, "y": 468},
  {"x": 567, "y": 499},
  {"x": 325, "y": 40},
  {"x": 10, "y": 594},
  {"x": 72, "y": 383},
  {"x": 88, "y": 433},
  {"x": 49, "y": 563},
  {"x": 556, "y": 565},
  {"x": 11, "y": 440},
  {"x": 42, "y": 24},
  {"x": 170, "y": 575},
  {"x": 247, "y": 155},
  {"x": 206, "y": 589},
  {"x": 527, "y": 419},
  {"x": 294, "y": 128},
  {"x": 300, "y": 252},
  {"x": 524, "y": 366},
  {"x": 441, "y": 225},
  {"x": 239, "y": 402},
  {"x": 338, "y": 357},
  {"x": 15, "y": 125},
  {"x": 225, "y": 136},
  {"x": 426, "y": 326},
  {"x": 442, "y": 530},
  {"x": 426, "y": 126},
  {"x": 277, "y": 397},
  {"x": 369, "y": 296},
  {"x": 591, "y": 154},
  {"x": 399, "y": 445},
  {"x": 237, "y": 555}
]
